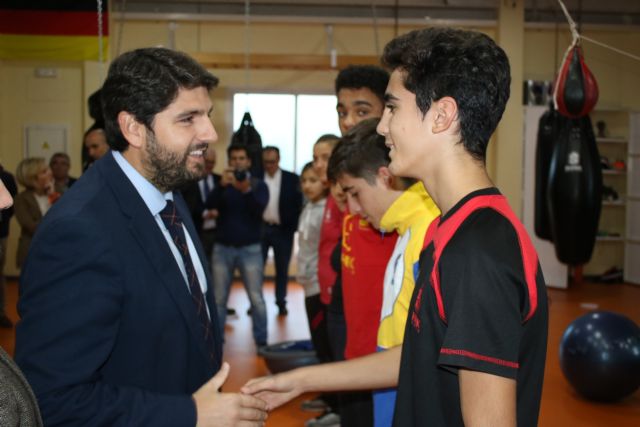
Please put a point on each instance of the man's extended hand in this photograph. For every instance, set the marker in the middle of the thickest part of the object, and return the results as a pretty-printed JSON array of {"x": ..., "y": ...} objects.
[
  {"x": 275, "y": 390},
  {"x": 227, "y": 409}
]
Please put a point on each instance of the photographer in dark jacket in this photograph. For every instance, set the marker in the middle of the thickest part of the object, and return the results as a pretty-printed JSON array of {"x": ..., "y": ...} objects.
[{"x": 240, "y": 200}]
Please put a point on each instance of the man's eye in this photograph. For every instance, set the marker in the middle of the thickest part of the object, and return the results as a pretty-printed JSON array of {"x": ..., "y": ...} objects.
[{"x": 363, "y": 113}]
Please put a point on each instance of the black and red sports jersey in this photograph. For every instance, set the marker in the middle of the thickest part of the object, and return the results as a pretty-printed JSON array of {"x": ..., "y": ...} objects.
[{"x": 484, "y": 308}]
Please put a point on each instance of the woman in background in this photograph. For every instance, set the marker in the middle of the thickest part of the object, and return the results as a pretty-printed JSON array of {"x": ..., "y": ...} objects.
[{"x": 33, "y": 202}]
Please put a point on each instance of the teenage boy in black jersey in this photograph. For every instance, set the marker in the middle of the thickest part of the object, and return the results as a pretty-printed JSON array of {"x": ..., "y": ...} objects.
[{"x": 476, "y": 334}]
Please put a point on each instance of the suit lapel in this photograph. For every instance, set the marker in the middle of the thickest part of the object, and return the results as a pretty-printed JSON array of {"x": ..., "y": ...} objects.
[{"x": 146, "y": 231}]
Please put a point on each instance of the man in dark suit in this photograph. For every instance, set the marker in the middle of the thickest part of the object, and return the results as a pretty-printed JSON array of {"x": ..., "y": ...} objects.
[
  {"x": 60, "y": 164},
  {"x": 280, "y": 219},
  {"x": 119, "y": 323},
  {"x": 195, "y": 195}
]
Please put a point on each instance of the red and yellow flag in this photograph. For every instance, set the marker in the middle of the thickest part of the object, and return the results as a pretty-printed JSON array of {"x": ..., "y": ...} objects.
[{"x": 56, "y": 30}]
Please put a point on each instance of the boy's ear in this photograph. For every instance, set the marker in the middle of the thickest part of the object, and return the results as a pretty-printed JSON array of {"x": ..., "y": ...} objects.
[
  {"x": 133, "y": 131},
  {"x": 386, "y": 176},
  {"x": 445, "y": 113}
]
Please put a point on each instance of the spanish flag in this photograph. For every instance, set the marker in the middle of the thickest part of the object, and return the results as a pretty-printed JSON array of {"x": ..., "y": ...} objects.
[{"x": 53, "y": 30}]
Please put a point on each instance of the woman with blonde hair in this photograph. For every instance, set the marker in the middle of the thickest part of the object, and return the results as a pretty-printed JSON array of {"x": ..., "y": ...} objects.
[{"x": 33, "y": 202}]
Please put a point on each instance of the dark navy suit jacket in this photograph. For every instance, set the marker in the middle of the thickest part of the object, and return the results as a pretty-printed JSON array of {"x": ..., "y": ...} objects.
[
  {"x": 109, "y": 334},
  {"x": 290, "y": 203}
]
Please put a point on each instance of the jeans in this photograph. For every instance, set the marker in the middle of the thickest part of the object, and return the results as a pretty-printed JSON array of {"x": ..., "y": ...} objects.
[
  {"x": 248, "y": 259},
  {"x": 282, "y": 243}
]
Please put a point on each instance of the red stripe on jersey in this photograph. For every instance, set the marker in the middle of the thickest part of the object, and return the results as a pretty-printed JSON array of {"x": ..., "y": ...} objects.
[
  {"x": 440, "y": 234},
  {"x": 476, "y": 356}
]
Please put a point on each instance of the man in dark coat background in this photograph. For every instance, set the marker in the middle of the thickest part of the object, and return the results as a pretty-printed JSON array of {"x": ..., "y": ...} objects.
[{"x": 280, "y": 219}]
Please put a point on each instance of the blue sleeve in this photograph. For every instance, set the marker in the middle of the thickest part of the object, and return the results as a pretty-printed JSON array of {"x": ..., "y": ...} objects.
[
  {"x": 257, "y": 198},
  {"x": 70, "y": 305}
]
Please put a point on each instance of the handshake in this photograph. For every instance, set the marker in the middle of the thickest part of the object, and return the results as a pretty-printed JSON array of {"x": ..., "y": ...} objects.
[
  {"x": 261, "y": 395},
  {"x": 247, "y": 408}
]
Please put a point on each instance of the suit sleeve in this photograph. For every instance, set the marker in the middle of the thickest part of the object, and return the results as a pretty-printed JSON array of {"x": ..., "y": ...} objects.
[{"x": 71, "y": 300}]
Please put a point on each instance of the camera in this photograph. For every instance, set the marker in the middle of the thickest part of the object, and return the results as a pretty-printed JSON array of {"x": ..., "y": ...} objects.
[{"x": 240, "y": 175}]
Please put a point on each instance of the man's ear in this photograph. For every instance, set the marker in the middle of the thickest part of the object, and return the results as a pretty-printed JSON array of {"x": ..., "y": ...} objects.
[
  {"x": 133, "y": 131},
  {"x": 445, "y": 112}
]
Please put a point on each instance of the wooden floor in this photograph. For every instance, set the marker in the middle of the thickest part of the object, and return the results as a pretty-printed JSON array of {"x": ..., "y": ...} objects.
[{"x": 560, "y": 404}]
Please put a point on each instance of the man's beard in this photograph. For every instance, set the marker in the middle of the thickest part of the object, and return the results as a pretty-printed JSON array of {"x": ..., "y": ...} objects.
[{"x": 168, "y": 170}]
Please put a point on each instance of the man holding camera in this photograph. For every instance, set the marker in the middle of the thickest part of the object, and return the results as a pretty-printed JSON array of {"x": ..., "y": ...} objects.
[{"x": 240, "y": 200}]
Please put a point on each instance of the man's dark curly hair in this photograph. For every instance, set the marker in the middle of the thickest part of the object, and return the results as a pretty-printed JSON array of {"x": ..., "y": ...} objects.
[
  {"x": 143, "y": 82},
  {"x": 465, "y": 65},
  {"x": 363, "y": 76}
]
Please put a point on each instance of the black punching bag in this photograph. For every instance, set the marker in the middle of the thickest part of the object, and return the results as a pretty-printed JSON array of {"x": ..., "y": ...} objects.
[
  {"x": 574, "y": 191},
  {"x": 547, "y": 134},
  {"x": 248, "y": 136}
]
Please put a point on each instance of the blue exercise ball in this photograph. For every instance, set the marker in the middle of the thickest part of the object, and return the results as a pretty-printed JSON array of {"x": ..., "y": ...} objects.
[{"x": 600, "y": 356}]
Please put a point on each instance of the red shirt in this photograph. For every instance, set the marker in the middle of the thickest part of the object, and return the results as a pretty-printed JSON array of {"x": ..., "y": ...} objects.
[
  {"x": 330, "y": 231},
  {"x": 365, "y": 254}
]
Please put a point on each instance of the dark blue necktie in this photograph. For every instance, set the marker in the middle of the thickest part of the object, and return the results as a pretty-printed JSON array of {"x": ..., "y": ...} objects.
[
  {"x": 172, "y": 221},
  {"x": 207, "y": 188}
]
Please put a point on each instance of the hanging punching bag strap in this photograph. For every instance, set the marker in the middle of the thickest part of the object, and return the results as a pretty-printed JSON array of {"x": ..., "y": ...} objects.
[{"x": 440, "y": 234}]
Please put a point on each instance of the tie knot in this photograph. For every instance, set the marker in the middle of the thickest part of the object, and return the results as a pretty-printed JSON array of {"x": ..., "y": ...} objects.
[{"x": 169, "y": 214}]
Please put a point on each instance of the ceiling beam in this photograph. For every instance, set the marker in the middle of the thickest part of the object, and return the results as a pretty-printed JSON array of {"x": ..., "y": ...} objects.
[{"x": 258, "y": 61}]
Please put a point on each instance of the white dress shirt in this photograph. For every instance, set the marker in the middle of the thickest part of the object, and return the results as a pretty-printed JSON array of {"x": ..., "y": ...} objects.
[
  {"x": 207, "y": 223},
  {"x": 271, "y": 214}
]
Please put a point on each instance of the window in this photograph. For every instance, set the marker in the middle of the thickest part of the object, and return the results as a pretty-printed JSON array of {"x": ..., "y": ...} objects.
[{"x": 290, "y": 122}]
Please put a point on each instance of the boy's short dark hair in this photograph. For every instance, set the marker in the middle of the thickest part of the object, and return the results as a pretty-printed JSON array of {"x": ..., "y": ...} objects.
[
  {"x": 143, "y": 82},
  {"x": 363, "y": 76},
  {"x": 465, "y": 65},
  {"x": 359, "y": 153},
  {"x": 308, "y": 166},
  {"x": 327, "y": 138}
]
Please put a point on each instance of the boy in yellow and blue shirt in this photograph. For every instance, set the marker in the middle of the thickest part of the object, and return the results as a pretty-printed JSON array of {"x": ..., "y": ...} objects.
[{"x": 410, "y": 216}]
